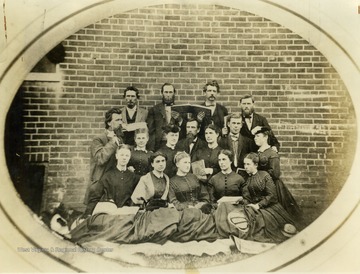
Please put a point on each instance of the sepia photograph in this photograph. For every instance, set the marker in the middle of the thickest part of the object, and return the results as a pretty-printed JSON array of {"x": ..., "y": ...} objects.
[{"x": 179, "y": 136}]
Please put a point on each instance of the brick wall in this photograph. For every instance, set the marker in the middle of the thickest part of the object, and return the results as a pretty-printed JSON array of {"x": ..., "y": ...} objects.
[{"x": 294, "y": 85}]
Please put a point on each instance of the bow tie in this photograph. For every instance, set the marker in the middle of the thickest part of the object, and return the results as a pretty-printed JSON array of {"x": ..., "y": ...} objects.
[{"x": 234, "y": 136}]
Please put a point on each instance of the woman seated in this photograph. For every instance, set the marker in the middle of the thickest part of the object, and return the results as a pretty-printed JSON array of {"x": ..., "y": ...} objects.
[
  {"x": 185, "y": 189},
  {"x": 266, "y": 217},
  {"x": 269, "y": 161},
  {"x": 155, "y": 184},
  {"x": 226, "y": 182}
]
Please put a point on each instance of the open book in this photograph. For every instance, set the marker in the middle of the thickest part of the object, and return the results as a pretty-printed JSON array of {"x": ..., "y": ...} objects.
[
  {"x": 230, "y": 199},
  {"x": 192, "y": 108},
  {"x": 111, "y": 209}
]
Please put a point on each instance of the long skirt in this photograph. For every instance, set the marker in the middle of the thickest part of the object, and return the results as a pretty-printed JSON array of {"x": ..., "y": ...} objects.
[
  {"x": 156, "y": 226},
  {"x": 263, "y": 225}
]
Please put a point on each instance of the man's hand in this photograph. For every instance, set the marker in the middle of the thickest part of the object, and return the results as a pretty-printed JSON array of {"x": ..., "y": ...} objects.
[
  {"x": 200, "y": 116},
  {"x": 255, "y": 129},
  {"x": 115, "y": 139},
  {"x": 209, "y": 170},
  {"x": 254, "y": 206},
  {"x": 176, "y": 116}
]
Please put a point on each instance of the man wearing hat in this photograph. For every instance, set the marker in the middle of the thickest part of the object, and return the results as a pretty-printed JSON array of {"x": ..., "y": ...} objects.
[
  {"x": 252, "y": 123},
  {"x": 169, "y": 149}
]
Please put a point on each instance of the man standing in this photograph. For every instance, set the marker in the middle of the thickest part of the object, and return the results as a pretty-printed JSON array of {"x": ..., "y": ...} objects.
[
  {"x": 192, "y": 142},
  {"x": 132, "y": 113},
  {"x": 160, "y": 116},
  {"x": 234, "y": 141},
  {"x": 218, "y": 112},
  {"x": 103, "y": 148},
  {"x": 117, "y": 184},
  {"x": 254, "y": 122}
]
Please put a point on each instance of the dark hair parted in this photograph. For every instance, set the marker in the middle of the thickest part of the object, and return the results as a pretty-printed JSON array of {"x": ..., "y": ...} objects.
[
  {"x": 228, "y": 153},
  {"x": 108, "y": 115},
  {"x": 247, "y": 96},
  {"x": 198, "y": 125},
  {"x": 167, "y": 84},
  {"x": 235, "y": 115},
  {"x": 155, "y": 155},
  {"x": 133, "y": 89},
  {"x": 213, "y": 83},
  {"x": 254, "y": 157},
  {"x": 213, "y": 127}
]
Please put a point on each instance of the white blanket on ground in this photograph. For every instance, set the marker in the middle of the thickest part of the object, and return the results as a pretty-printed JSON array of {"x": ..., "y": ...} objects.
[{"x": 129, "y": 252}]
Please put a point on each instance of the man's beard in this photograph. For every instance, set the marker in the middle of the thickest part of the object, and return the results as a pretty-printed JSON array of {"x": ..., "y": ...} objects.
[
  {"x": 131, "y": 105},
  {"x": 168, "y": 102},
  {"x": 118, "y": 132},
  {"x": 247, "y": 113},
  {"x": 190, "y": 136}
]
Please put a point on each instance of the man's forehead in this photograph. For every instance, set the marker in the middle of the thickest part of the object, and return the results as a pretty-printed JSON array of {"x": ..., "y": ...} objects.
[
  {"x": 130, "y": 93},
  {"x": 235, "y": 120},
  {"x": 209, "y": 87},
  {"x": 246, "y": 100},
  {"x": 168, "y": 88}
]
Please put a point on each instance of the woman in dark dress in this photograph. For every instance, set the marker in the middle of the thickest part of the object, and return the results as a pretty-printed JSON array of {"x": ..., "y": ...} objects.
[
  {"x": 260, "y": 195},
  {"x": 185, "y": 189},
  {"x": 139, "y": 161},
  {"x": 210, "y": 153},
  {"x": 269, "y": 161},
  {"x": 155, "y": 184},
  {"x": 226, "y": 182},
  {"x": 260, "y": 217}
]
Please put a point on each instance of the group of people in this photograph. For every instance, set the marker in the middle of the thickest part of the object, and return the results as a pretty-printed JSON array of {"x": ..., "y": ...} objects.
[{"x": 152, "y": 167}]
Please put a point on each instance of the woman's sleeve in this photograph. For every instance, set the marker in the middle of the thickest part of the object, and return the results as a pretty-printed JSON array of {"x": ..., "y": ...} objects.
[
  {"x": 274, "y": 167},
  {"x": 172, "y": 198},
  {"x": 140, "y": 191},
  {"x": 269, "y": 191},
  {"x": 204, "y": 193},
  {"x": 211, "y": 190}
]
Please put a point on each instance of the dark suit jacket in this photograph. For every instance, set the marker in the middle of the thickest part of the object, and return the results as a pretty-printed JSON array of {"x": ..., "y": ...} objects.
[
  {"x": 184, "y": 145},
  {"x": 217, "y": 119},
  {"x": 243, "y": 148},
  {"x": 141, "y": 115},
  {"x": 156, "y": 119},
  {"x": 258, "y": 120}
]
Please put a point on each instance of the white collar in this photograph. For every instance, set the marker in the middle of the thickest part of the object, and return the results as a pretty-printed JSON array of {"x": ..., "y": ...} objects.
[
  {"x": 263, "y": 149},
  {"x": 157, "y": 175},
  {"x": 131, "y": 109},
  {"x": 138, "y": 149}
]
